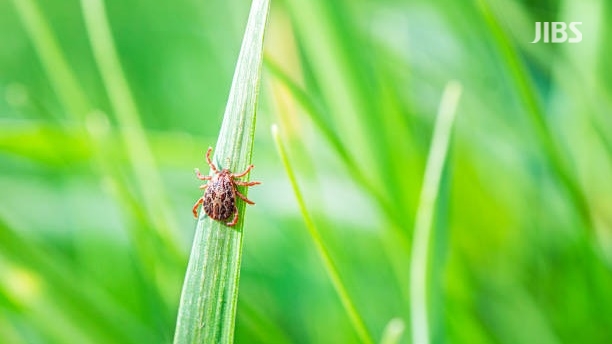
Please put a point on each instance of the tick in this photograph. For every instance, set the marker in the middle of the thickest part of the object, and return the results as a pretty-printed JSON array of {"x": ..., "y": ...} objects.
[{"x": 219, "y": 200}]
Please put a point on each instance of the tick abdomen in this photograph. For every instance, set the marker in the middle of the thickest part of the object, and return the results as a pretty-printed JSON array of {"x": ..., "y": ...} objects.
[{"x": 219, "y": 197}]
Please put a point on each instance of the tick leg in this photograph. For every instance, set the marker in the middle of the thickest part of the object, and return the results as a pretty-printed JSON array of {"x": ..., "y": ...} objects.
[
  {"x": 244, "y": 197},
  {"x": 196, "y": 205},
  {"x": 246, "y": 183},
  {"x": 200, "y": 176},
  {"x": 238, "y": 175},
  {"x": 234, "y": 220},
  {"x": 210, "y": 163},
  {"x": 203, "y": 186}
]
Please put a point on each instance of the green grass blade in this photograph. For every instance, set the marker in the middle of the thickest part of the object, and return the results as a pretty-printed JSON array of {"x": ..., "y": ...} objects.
[
  {"x": 317, "y": 115},
  {"x": 97, "y": 311},
  {"x": 126, "y": 112},
  {"x": 425, "y": 212},
  {"x": 341, "y": 91},
  {"x": 64, "y": 81},
  {"x": 61, "y": 76},
  {"x": 393, "y": 332},
  {"x": 322, "y": 250},
  {"x": 208, "y": 302},
  {"x": 527, "y": 94}
]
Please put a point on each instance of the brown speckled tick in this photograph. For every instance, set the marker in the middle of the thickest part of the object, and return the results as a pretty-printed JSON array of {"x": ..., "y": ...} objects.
[{"x": 219, "y": 199}]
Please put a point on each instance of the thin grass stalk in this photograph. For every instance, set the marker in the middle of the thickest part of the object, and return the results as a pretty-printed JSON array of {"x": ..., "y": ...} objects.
[
  {"x": 322, "y": 40},
  {"x": 98, "y": 310},
  {"x": 527, "y": 94},
  {"x": 316, "y": 115},
  {"x": 392, "y": 334},
  {"x": 92, "y": 124},
  {"x": 425, "y": 212},
  {"x": 139, "y": 152},
  {"x": 395, "y": 240},
  {"x": 331, "y": 269},
  {"x": 62, "y": 78}
]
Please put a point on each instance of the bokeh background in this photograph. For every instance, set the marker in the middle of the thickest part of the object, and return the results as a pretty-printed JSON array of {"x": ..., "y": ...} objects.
[{"x": 95, "y": 213}]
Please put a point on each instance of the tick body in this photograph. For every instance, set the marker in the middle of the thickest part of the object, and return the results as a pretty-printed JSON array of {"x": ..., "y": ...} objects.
[{"x": 219, "y": 200}]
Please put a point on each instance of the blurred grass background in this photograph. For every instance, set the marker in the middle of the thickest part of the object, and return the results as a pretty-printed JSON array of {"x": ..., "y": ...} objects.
[{"x": 522, "y": 241}]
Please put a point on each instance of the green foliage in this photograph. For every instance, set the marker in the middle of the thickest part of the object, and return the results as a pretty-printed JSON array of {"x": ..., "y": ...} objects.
[{"x": 107, "y": 106}]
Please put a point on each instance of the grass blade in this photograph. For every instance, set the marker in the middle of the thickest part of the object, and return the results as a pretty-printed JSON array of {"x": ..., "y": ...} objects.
[
  {"x": 210, "y": 291},
  {"x": 425, "y": 211},
  {"x": 92, "y": 128},
  {"x": 60, "y": 75},
  {"x": 132, "y": 132},
  {"x": 317, "y": 115},
  {"x": 339, "y": 81},
  {"x": 322, "y": 250},
  {"x": 527, "y": 94},
  {"x": 98, "y": 313},
  {"x": 393, "y": 332}
]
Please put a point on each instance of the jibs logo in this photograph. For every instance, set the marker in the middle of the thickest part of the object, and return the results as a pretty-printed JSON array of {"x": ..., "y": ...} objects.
[{"x": 555, "y": 32}]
